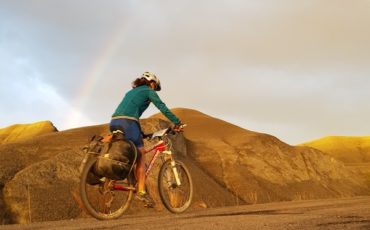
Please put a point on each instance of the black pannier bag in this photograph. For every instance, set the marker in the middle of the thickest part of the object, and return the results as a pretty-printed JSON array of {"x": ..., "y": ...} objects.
[
  {"x": 116, "y": 158},
  {"x": 92, "y": 150}
]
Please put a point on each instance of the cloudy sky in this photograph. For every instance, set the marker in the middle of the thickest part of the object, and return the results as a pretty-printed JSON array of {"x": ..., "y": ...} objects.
[{"x": 296, "y": 69}]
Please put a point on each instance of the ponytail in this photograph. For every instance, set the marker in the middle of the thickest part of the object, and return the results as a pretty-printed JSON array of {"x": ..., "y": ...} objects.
[{"x": 139, "y": 82}]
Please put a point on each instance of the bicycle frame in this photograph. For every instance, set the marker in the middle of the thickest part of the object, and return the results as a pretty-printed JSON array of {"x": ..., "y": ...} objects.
[{"x": 159, "y": 147}]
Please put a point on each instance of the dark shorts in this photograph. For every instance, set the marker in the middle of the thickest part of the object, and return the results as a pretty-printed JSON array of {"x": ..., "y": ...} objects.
[{"x": 131, "y": 129}]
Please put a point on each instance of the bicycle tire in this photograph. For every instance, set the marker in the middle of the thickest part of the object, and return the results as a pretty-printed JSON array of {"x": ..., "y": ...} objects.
[
  {"x": 93, "y": 196},
  {"x": 175, "y": 198}
]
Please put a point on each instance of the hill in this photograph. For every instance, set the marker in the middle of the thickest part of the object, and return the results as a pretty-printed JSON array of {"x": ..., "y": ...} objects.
[
  {"x": 344, "y": 148},
  {"x": 260, "y": 168},
  {"x": 39, "y": 177},
  {"x": 229, "y": 166},
  {"x": 353, "y": 151},
  {"x": 21, "y": 132}
]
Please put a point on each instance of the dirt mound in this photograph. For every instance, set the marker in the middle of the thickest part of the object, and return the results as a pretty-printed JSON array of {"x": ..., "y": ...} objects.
[
  {"x": 39, "y": 177},
  {"x": 347, "y": 149},
  {"x": 354, "y": 152},
  {"x": 229, "y": 166},
  {"x": 31, "y": 172},
  {"x": 258, "y": 167},
  {"x": 22, "y": 132}
]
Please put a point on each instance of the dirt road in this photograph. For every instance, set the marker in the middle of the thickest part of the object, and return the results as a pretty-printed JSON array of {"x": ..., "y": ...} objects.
[{"x": 350, "y": 213}]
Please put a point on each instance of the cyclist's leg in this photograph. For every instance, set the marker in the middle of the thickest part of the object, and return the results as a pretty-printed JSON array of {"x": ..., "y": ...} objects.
[
  {"x": 140, "y": 171},
  {"x": 142, "y": 195}
]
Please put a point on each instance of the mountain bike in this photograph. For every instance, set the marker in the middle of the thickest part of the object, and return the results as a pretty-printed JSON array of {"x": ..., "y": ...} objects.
[{"x": 109, "y": 199}]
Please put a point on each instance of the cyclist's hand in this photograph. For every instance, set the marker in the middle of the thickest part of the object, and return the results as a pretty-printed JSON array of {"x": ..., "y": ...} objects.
[{"x": 179, "y": 128}]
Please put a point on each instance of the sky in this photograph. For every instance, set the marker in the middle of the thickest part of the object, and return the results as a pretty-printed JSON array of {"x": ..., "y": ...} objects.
[{"x": 298, "y": 70}]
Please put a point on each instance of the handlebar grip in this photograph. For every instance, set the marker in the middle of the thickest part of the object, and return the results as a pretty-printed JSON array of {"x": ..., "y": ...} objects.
[{"x": 178, "y": 128}]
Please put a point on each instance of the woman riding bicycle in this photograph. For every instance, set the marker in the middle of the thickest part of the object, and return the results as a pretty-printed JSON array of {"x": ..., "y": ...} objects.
[{"x": 126, "y": 119}]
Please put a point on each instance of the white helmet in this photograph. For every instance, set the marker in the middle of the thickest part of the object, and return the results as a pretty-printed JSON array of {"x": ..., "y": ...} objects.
[{"x": 151, "y": 77}]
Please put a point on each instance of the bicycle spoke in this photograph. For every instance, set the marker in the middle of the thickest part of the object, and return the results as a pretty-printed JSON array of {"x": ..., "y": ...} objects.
[
  {"x": 176, "y": 198},
  {"x": 102, "y": 200}
]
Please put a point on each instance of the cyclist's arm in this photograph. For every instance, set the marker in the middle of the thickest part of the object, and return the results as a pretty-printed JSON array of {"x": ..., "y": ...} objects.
[{"x": 153, "y": 96}]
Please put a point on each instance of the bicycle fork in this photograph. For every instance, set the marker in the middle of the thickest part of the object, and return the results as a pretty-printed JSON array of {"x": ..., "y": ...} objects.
[{"x": 168, "y": 155}]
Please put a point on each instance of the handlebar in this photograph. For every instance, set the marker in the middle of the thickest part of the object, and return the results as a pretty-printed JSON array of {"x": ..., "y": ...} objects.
[{"x": 169, "y": 130}]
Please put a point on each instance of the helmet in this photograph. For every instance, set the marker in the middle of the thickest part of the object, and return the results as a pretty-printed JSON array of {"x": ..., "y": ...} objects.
[{"x": 151, "y": 77}]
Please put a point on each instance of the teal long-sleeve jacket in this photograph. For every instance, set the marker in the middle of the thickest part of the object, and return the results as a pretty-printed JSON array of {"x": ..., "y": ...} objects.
[{"x": 137, "y": 100}]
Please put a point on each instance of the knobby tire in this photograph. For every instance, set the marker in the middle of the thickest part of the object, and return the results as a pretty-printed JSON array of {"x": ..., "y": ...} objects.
[
  {"x": 175, "y": 198},
  {"x": 95, "y": 201}
]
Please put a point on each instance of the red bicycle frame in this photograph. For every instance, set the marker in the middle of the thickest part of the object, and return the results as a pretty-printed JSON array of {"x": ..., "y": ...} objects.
[{"x": 159, "y": 147}]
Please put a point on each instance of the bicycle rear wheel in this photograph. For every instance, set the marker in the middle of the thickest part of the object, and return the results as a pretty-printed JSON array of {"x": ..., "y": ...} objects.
[
  {"x": 176, "y": 198},
  {"x": 102, "y": 199}
]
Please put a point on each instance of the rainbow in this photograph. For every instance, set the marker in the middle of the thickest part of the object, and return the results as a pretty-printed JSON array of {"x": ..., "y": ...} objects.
[{"x": 91, "y": 79}]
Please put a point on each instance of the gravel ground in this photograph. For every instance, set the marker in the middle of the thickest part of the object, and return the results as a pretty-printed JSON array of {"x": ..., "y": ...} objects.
[{"x": 348, "y": 213}]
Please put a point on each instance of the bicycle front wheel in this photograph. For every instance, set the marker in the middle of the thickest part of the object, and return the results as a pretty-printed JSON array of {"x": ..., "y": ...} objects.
[
  {"x": 101, "y": 197},
  {"x": 176, "y": 198}
]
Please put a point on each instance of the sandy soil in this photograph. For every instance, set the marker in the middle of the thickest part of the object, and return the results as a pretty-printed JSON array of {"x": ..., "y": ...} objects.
[{"x": 349, "y": 213}]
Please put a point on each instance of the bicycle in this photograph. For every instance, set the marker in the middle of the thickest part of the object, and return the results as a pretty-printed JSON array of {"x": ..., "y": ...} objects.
[{"x": 109, "y": 199}]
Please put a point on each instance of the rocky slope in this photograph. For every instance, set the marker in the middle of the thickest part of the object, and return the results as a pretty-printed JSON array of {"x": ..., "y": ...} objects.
[
  {"x": 354, "y": 152},
  {"x": 258, "y": 167},
  {"x": 229, "y": 166}
]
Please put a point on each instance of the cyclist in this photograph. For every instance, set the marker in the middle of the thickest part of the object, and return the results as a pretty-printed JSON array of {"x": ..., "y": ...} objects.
[{"x": 126, "y": 119}]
